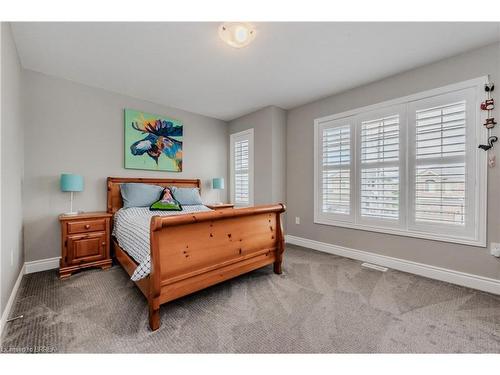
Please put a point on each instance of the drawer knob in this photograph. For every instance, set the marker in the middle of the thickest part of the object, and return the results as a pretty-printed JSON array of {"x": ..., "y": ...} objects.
[
  {"x": 103, "y": 244},
  {"x": 87, "y": 226}
]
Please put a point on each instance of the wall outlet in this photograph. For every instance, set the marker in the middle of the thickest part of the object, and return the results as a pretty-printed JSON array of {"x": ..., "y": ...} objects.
[
  {"x": 495, "y": 249},
  {"x": 297, "y": 220}
]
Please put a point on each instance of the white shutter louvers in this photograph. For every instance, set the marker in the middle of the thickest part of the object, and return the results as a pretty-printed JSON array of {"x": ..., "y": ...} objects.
[
  {"x": 241, "y": 181},
  {"x": 241, "y": 172},
  {"x": 409, "y": 166},
  {"x": 336, "y": 160},
  {"x": 380, "y": 168},
  {"x": 440, "y": 181}
]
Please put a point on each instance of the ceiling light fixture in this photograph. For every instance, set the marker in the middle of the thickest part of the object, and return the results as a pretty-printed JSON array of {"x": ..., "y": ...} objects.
[{"x": 237, "y": 34}]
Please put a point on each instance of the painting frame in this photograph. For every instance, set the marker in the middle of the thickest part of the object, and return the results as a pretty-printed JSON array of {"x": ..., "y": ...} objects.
[{"x": 152, "y": 142}]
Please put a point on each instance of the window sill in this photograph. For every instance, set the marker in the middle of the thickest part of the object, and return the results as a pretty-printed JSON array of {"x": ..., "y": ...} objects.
[{"x": 401, "y": 232}]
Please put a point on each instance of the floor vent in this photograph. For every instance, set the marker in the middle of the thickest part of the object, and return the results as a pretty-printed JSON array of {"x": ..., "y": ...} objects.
[{"x": 374, "y": 267}]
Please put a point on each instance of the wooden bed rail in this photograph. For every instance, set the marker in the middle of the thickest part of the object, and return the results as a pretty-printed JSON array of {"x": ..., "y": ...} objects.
[{"x": 158, "y": 222}]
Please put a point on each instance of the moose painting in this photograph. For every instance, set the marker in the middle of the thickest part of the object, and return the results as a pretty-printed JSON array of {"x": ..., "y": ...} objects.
[{"x": 152, "y": 142}]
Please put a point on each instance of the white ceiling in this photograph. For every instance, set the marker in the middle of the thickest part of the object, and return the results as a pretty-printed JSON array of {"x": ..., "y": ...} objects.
[{"x": 186, "y": 65}]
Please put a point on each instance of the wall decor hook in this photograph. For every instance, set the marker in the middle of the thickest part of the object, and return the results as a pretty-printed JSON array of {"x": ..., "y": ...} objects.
[
  {"x": 491, "y": 140},
  {"x": 490, "y": 123},
  {"x": 488, "y": 105},
  {"x": 489, "y": 87}
]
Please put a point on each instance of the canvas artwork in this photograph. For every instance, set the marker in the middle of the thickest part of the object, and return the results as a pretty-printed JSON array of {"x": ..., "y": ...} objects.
[{"x": 152, "y": 142}]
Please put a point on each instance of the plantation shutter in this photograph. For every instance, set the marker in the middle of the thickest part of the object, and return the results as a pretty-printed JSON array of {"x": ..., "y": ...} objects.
[
  {"x": 409, "y": 167},
  {"x": 440, "y": 173},
  {"x": 336, "y": 169},
  {"x": 241, "y": 172},
  {"x": 443, "y": 164},
  {"x": 379, "y": 168},
  {"x": 242, "y": 168}
]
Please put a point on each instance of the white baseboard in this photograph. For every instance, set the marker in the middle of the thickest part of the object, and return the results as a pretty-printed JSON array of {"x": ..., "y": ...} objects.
[
  {"x": 443, "y": 274},
  {"x": 42, "y": 265},
  {"x": 10, "y": 302}
]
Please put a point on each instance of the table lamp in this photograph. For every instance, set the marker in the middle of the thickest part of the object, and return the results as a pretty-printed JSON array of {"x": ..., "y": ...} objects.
[
  {"x": 71, "y": 182},
  {"x": 218, "y": 184}
]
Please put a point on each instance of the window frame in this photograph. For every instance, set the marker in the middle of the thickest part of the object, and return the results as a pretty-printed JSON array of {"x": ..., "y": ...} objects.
[
  {"x": 404, "y": 227},
  {"x": 247, "y": 134}
]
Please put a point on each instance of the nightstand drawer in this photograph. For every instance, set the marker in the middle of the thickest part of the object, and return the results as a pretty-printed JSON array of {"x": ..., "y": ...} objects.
[
  {"x": 86, "y": 226},
  {"x": 86, "y": 248}
]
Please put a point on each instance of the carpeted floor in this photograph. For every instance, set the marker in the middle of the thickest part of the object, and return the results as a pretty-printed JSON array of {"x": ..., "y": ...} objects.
[{"x": 322, "y": 303}]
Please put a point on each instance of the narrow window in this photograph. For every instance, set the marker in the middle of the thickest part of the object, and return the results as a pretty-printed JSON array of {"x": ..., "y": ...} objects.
[{"x": 242, "y": 168}]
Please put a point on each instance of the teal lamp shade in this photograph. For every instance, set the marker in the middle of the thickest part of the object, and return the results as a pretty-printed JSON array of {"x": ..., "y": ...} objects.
[
  {"x": 218, "y": 183},
  {"x": 71, "y": 182}
]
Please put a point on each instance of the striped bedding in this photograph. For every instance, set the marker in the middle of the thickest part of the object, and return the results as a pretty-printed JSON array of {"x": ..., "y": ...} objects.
[{"x": 131, "y": 229}]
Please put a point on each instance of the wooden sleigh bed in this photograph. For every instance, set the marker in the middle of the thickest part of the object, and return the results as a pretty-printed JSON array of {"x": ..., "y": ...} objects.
[{"x": 191, "y": 252}]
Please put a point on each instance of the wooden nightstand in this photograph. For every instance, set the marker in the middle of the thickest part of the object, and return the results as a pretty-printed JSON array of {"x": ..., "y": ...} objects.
[
  {"x": 84, "y": 242},
  {"x": 223, "y": 206}
]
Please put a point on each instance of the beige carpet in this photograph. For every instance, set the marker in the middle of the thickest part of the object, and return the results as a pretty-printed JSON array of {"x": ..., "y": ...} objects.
[{"x": 322, "y": 303}]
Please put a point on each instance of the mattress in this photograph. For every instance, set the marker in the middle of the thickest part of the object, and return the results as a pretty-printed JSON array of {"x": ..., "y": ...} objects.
[{"x": 131, "y": 230}]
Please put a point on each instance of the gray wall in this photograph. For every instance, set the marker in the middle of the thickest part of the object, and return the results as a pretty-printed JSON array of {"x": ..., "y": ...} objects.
[
  {"x": 269, "y": 126},
  {"x": 12, "y": 154},
  {"x": 278, "y": 150},
  {"x": 299, "y": 154},
  {"x": 74, "y": 128}
]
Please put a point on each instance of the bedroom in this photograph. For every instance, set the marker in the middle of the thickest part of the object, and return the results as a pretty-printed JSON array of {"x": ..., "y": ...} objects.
[{"x": 289, "y": 194}]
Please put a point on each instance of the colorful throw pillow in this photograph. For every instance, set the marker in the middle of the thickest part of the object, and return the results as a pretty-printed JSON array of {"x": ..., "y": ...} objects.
[
  {"x": 166, "y": 203},
  {"x": 187, "y": 196}
]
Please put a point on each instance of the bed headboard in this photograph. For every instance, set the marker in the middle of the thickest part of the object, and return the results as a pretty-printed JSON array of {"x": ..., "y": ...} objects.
[{"x": 115, "y": 198}]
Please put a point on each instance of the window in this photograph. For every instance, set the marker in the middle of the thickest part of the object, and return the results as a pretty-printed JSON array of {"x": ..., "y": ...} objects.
[
  {"x": 336, "y": 156},
  {"x": 379, "y": 160},
  {"x": 410, "y": 166},
  {"x": 242, "y": 168}
]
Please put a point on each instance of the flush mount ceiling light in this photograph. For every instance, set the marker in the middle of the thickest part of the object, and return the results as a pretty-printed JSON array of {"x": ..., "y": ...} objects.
[{"x": 237, "y": 34}]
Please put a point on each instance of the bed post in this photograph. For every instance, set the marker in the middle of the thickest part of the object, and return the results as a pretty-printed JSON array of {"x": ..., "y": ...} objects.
[
  {"x": 280, "y": 242},
  {"x": 154, "y": 314},
  {"x": 154, "y": 277}
]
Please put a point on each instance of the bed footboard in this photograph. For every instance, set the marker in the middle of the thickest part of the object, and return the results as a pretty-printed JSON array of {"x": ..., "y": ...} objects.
[{"x": 192, "y": 252}]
